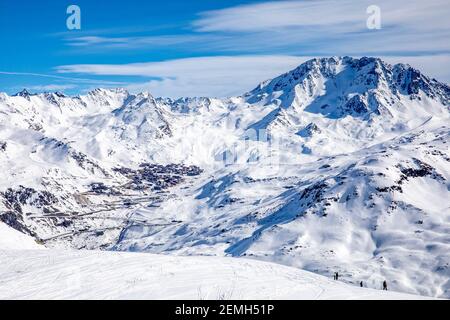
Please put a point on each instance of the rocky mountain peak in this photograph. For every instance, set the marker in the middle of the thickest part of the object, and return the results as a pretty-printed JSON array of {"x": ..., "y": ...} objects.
[{"x": 340, "y": 86}]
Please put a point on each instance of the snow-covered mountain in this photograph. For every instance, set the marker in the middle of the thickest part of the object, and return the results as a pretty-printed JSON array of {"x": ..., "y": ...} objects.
[{"x": 341, "y": 164}]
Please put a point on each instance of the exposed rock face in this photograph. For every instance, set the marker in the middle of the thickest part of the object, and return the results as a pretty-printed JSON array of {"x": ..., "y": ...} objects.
[{"x": 309, "y": 130}]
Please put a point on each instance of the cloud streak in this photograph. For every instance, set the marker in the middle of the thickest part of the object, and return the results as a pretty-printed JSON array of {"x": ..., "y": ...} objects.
[
  {"x": 72, "y": 79},
  {"x": 52, "y": 87},
  {"x": 91, "y": 42},
  {"x": 223, "y": 76},
  {"x": 319, "y": 27},
  {"x": 332, "y": 27},
  {"x": 203, "y": 76},
  {"x": 343, "y": 15}
]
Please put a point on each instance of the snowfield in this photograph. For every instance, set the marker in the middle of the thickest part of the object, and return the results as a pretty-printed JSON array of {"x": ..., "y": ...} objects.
[
  {"x": 340, "y": 165},
  {"x": 53, "y": 274},
  {"x": 29, "y": 271},
  {"x": 10, "y": 239}
]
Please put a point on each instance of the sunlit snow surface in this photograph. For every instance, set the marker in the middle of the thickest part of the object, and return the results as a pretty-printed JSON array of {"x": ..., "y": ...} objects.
[{"x": 52, "y": 274}]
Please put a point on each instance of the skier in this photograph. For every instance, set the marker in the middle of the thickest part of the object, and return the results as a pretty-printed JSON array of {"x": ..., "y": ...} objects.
[
  {"x": 384, "y": 285},
  {"x": 361, "y": 284},
  {"x": 336, "y": 276}
]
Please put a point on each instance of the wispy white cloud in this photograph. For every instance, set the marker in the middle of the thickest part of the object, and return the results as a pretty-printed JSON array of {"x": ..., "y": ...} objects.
[
  {"x": 72, "y": 79},
  {"x": 226, "y": 75},
  {"x": 204, "y": 76},
  {"x": 281, "y": 14},
  {"x": 136, "y": 29},
  {"x": 342, "y": 15},
  {"x": 52, "y": 87},
  {"x": 309, "y": 27},
  {"x": 331, "y": 27},
  {"x": 91, "y": 42}
]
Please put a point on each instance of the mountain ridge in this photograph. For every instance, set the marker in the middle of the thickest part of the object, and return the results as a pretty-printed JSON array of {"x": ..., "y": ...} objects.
[{"x": 341, "y": 164}]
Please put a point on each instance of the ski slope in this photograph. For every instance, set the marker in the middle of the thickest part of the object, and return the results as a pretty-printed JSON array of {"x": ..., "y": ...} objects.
[
  {"x": 11, "y": 239},
  {"x": 52, "y": 274}
]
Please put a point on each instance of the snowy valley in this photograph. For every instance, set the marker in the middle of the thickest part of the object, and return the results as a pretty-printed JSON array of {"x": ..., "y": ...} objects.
[{"x": 340, "y": 165}]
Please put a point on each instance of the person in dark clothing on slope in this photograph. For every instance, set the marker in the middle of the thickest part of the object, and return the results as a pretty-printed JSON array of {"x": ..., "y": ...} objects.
[
  {"x": 361, "y": 284},
  {"x": 384, "y": 285}
]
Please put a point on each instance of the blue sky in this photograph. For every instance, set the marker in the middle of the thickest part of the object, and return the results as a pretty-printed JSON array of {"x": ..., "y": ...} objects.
[{"x": 206, "y": 47}]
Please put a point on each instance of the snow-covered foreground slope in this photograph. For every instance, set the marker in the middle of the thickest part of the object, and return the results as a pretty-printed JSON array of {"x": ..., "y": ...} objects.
[
  {"x": 11, "y": 239},
  {"x": 52, "y": 274},
  {"x": 341, "y": 165}
]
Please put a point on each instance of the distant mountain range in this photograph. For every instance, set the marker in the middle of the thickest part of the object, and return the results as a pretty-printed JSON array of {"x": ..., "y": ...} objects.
[{"x": 340, "y": 165}]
